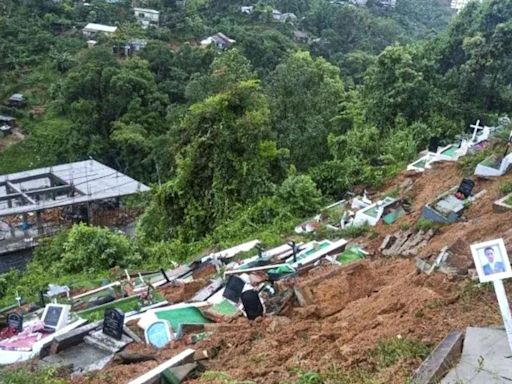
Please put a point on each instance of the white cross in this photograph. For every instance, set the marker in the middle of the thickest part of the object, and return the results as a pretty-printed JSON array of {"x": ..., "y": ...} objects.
[{"x": 476, "y": 127}]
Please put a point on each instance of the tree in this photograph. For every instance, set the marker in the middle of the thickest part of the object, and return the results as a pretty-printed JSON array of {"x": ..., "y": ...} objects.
[
  {"x": 305, "y": 97},
  {"x": 223, "y": 159}
]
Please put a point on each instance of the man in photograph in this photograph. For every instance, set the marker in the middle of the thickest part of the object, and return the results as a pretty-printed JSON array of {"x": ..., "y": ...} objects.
[{"x": 493, "y": 264}]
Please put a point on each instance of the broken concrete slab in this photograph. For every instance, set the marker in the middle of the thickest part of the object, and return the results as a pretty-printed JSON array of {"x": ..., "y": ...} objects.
[
  {"x": 441, "y": 360},
  {"x": 176, "y": 375},
  {"x": 485, "y": 358},
  {"x": 405, "y": 243},
  {"x": 73, "y": 337},
  {"x": 106, "y": 343},
  {"x": 154, "y": 375},
  {"x": 504, "y": 204},
  {"x": 83, "y": 358}
]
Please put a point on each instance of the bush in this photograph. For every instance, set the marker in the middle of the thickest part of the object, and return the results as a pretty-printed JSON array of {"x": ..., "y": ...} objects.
[
  {"x": 300, "y": 194},
  {"x": 87, "y": 249}
]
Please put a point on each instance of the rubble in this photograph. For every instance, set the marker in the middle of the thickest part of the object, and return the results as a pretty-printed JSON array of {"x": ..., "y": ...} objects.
[{"x": 405, "y": 243}]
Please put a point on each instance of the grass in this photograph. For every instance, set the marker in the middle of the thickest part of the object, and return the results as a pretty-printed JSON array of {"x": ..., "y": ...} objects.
[
  {"x": 506, "y": 187},
  {"x": 389, "y": 352},
  {"x": 509, "y": 200},
  {"x": 426, "y": 225},
  {"x": 24, "y": 374}
]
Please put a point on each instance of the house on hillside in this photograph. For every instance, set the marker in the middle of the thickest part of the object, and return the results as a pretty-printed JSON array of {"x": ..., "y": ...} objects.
[
  {"x": 220, "y": 40},
  {"x": 301, "y": 37},
  {"x": 283, "y": 17},
  {"x": 130, "y": 48},
  {"x": 247, "y": 10},
  {"x": 459, "y": 4},
  {"x": 147, "y": 17},
  {"x": 17, "y": 101},
  {"x": 93, "y": 29}
]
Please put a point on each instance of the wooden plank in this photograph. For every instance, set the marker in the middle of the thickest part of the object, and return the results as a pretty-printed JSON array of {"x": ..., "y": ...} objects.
[{"x": 155, "y": 373}]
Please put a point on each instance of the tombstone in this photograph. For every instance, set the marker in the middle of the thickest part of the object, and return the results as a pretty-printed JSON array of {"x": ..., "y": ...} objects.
[
  {"x": 113, "y": 323},
  {"x": 476, "y": 128},
  {"x": 466, "y": 187},
  {"x": 234, "y": 288},
  {"x": 15, "y": 321},
  {"x": 293, "y": 246},
  {"x": 433, "y": 144},
  {"x": 158, "y": 334},
  {"x": 55, "y": 317},
  {"x": 252, "y": 304}
]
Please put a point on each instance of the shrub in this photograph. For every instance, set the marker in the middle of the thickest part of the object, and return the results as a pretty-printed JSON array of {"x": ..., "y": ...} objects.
[
  {"x": 506, "y": 187},
  {"x": 300, "y": 194}
]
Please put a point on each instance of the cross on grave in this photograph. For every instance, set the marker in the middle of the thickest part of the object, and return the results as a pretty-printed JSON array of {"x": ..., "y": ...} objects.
[
  {"x": 113, "y": 322},
  {"x": 477, "y": 127}
]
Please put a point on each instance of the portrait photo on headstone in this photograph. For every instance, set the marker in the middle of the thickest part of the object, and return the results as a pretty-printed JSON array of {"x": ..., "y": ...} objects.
[{"x": 491, "y": 260}]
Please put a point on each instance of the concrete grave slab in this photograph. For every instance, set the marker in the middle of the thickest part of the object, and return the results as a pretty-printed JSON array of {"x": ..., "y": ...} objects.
[
  {"x": 83, "y": 358},
  {"x": 106, "y": 343},
  {"x": 486, "y": 358}
]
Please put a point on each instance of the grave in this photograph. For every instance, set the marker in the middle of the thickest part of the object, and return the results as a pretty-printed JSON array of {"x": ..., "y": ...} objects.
[
  {"x": 234, "y": 288},
  {"x": 15, "y": 321},
  {"x": 55, "y": 316},
  {"x": 448, "y": 207},
  {"x": 110, "y": 338},
  {"x": 504, "y": 204},
  {"x": 158, "y": 334},
  {"x": 113, "y": 323},
  {"x": 372, "y": 214},
  {"x": 252, "y": 304},
  {"x": 494, "y": 165}
]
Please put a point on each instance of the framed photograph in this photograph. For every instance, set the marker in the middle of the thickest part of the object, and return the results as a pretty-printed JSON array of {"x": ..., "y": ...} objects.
[{"x": 491, "y": 260}]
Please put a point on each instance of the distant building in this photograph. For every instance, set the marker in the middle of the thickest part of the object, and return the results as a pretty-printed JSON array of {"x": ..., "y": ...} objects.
[
  {"x": 247, "y": 10},
  {"x": 459, "y": 4},
  {"x": 17, "y": 101},
  {"x": 388, "y": 3},
  {"x": 283, "y": 17},
  {"x": 219, "y": 39},
  {"x": 92, "y": 29},
  {"x": 130, "y": 48},
  {"x": 300, "y": 36},
  {"x": 147, "y": 17}
]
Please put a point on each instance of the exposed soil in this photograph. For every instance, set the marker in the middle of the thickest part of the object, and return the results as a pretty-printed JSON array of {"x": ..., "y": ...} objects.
[
  {"x": 400, "y": 303},
  {"x": 353, "y": 308}
]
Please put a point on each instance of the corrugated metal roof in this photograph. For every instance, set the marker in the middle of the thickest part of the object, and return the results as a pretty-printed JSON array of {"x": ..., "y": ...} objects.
[{"x": 91, "y": 180}]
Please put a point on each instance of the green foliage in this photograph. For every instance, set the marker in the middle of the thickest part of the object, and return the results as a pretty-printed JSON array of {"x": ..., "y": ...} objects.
[
  {"x": 25, "y": 374},
  {"x": 389, "y": 352},
  {"x": 506, "y": 187},
  {"x": 425, "y": 225},
  {"x": 300, "y": 194}
]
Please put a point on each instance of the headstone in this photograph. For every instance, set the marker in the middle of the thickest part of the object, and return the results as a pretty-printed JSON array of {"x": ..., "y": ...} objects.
[
  {"x": 113, "y": 322},
  {"x": 234, "y": 288},
  {"x": 252, "y": 304},
  {"x": 15, "y": 321},
  {"x": 433, "y": 144},
  {"x": 466, "y": 187},
  {"x": 55, "y": 316},
  {"x": 158, "y": 333}
]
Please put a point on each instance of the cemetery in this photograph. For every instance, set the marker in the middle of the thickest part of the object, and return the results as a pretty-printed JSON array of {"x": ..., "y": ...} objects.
[{"x": 172, "y": 323}]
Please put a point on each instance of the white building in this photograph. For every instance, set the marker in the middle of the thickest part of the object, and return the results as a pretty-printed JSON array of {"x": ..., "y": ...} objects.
[
  {"x": 92, "y": 29},
  {"x": 459, "y": 4},
  {"x": 146, "y": 17}
]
